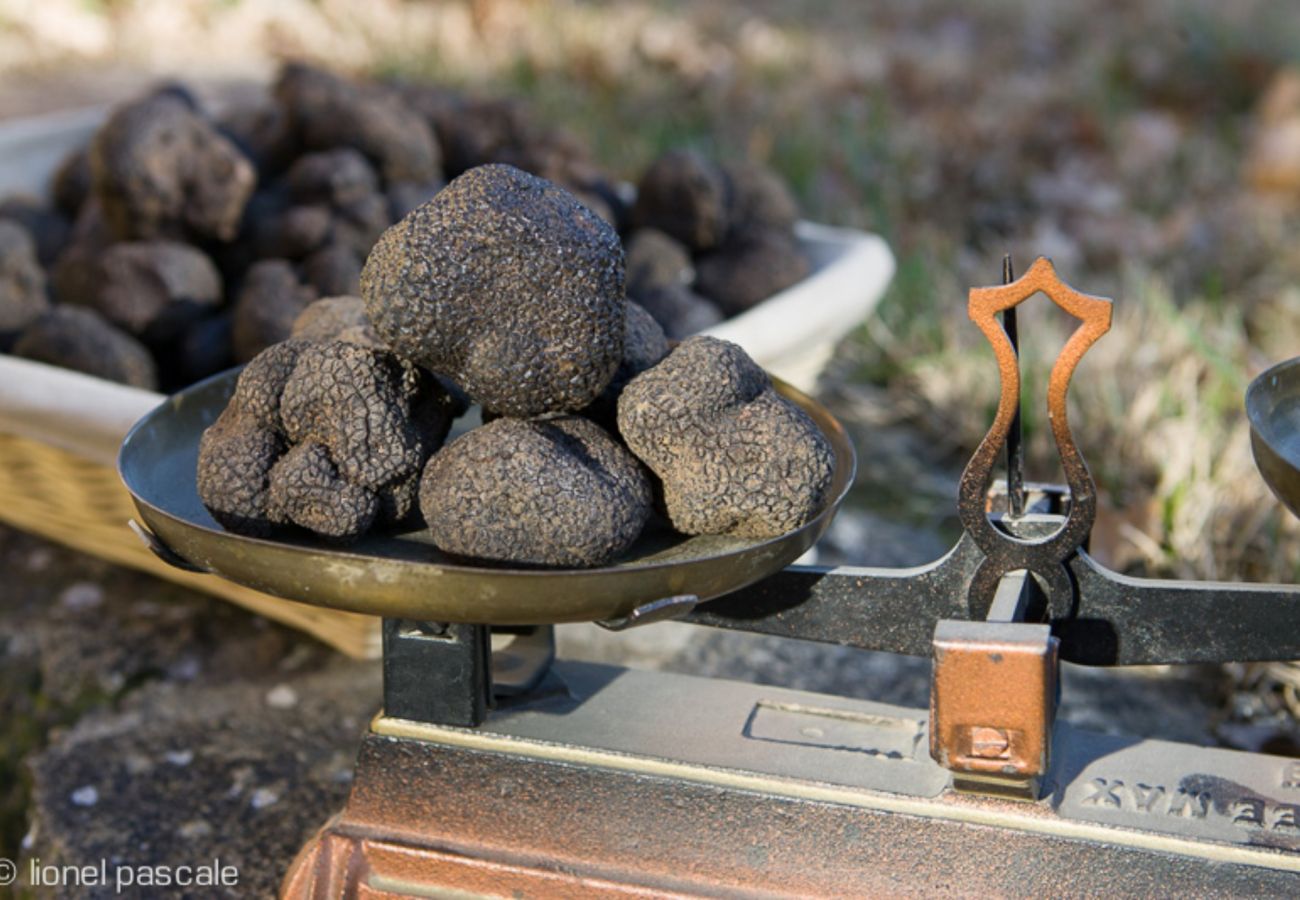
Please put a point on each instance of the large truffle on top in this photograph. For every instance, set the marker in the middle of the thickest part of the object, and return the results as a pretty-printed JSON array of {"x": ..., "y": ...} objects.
[
  {"x": 330, "y": 437},
  {"x": 159, "y": 169},
  {"x": 735, "y": 457},
  {"x": 551, "y": 492},
  {"x": 506, "y": 284}
]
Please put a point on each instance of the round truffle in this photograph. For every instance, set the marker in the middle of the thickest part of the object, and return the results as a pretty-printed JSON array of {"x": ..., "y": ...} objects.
[
  {"x": 734, "y": 456},
  {"x": 685, "y": 196},
  {"x": 159, "y": 169},
  {"x": 506, "y": 284},
  {"x": 553, "y": 492},
  {"x": 81, "y": 340},
  {"x": 680, "y": 311},
  {"x": 655, "y": 260},
  {"x": 757, "y": 199},
  {"x": 749, "y": 269},
  {"x": 152, "y": 289},
  {"x": 269, "y": 302}
]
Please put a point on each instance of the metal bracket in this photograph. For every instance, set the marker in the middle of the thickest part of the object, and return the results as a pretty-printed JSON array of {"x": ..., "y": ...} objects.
[
  {"x": 162, "y": 551},
  {"x": 664, "y": 610}
]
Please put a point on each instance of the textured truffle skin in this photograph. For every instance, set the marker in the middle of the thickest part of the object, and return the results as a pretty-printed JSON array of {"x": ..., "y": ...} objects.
[
  {"x": 305, "y": 488},
  {"x": 22, "y": 282},
  {"x": 236, "y": 456},
  {"x": 554, "y": 492},
  {"x": 685, "y": 196},
  {"x": 750, "y": 269},
  {"x": 335, "y": 318},
  {"x": 734, "y": 456},
  {"x": 81, "y": 340},
  {"x": 152, "y": 289},
  {"x": 159, "y": 170},
  {"x": 268, "y": 303},
  {"x": 329, "y": 436},
  {"x": 506, "y": 284},
  {"x": 353, "y": 401}
]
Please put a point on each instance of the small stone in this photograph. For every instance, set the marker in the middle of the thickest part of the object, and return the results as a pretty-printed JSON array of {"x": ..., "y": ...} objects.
[
  {"x": 81, "y": 596},
  {"x": 179, "y": 757},
  {"x": 282, "y": 696},
  {"x": 263, "y": 797},
  {"x": 195, "y": 828},
  {"x": 138, "y": 764},
  {"x": 39, "y": 559},
  {"x": 85, "y": 796}
]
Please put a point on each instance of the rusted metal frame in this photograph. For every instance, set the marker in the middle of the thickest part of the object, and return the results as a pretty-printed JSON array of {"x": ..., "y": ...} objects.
[{"x": 1043, "y": 556}]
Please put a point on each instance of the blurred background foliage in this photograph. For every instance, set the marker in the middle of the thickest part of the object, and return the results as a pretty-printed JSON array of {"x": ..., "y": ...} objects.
[{"x": 1150, "y": 147}]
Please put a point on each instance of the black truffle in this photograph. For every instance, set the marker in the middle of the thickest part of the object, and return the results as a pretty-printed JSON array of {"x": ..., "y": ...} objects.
[
  {"x": 506, "y": 284},
  {"x": 554, "y": 492},
  {"x": 333, "y": 270},
  {"x": 236, "y": 456},
  {"x": 749, "y": 269},
  {"x": 152, "y": 289},
  {"x": 326, "y": 436},
  {"x": 271, "y": 298},
  {"x": 49, "y": 228},
  {"x": 356, "y": 402},
  {"x": 680, "y": 311},
  {"x": 734, "y": 456},
  {"x": 22, "y": 282},
  {"x": 160, "y": 170},
  {"x": 757, "y": 199},
  {"x": 644, "y": 345},
  {"x": 305, "y": 488},
  {"x": 335, "y": 318},
  {"x": 81, "y": 340},
  {"x": 655, "y": 260},
  {"x": 685, "y": 196},
  {"x": 328, "y": 112},
  {"x": 72, "y": 181}
]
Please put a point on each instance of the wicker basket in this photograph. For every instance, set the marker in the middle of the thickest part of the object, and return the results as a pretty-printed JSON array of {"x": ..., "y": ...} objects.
[{"x": 60, "y": 431}]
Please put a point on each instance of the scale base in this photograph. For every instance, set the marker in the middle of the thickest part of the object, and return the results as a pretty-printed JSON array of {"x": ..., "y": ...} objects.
[{"x": 610, "y": 782}]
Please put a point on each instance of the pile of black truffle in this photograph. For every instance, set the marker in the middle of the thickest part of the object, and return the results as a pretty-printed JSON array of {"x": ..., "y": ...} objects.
[
  {"x": 177, "y": 244},
  {"x": 506, "y": 290}
]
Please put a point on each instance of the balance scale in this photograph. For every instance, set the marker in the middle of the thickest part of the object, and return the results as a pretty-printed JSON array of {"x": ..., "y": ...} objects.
[{"x": 495, "y": 769}]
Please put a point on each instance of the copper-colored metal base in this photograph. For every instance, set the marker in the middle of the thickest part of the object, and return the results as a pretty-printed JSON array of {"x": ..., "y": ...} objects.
[{"x": 523, "y": 807}]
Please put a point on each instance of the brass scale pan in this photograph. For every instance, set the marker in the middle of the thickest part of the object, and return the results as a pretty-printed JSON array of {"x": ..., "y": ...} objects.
[{"x": 405, "y": 576}]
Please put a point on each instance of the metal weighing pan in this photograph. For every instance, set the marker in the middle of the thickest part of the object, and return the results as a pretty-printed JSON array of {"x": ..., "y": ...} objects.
[
  {"x": 1273, "y": 408},
  {"x": 406, "y": 576}
]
